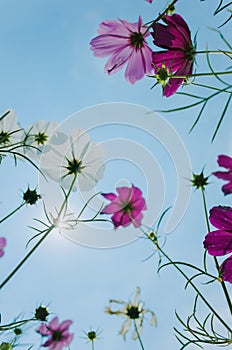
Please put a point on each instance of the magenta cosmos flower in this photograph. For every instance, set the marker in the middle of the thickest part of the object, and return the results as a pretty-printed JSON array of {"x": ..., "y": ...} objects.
[
  {"x": 126, "y": 207},
  {"x": 225, "y": 162},
  {"x": 2, "y": 246},
  {"x": 178, "y": 60},
  {"x": 125, "y": 43},
  {"x": 219, "y": 242},
  {"x": 59, "y": 336}
]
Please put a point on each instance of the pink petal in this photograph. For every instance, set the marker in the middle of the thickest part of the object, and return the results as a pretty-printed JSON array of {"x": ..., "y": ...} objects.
[
  {"x": 227, "y": 189},
  {"x": 218, "y": 242},
  {"x": 121, "y": 219},
  {"x": 125, "y": 194},
  {"x": 138, "y": 64},
  {"x": 112, "y": 208},
  {"x": 226, "y": 270},
  {"x": 105, "y": 45},
  {"x": 109, "y": 196},
  {"x": 117, "y": 28},
  {"x": 225, "y": 161},
  {"x": 173, "y": 60},
  {"x": 225, "y": 175},
  {"x": 175, "y": 35},
  {"x": 65, "y": 324},
  {"x": 137, "y": 220},
  {"x": 54, "y": 324},
  {"x": 221, "y": 217},
  {"x": 2, "y": 242},
  {"x": 43, "y": 329},
  {"x": 118, "y": 60}
]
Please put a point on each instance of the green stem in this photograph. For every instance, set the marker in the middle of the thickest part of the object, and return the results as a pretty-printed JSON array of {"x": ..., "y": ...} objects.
[
  {"x": 209, "y": 87},
  {"x": 92, "y": 345},
  {"x": 215, "y": 259},
  {"x": 199, "y": 75},
  {"x": 64, "y": 204},
  {"x": 14, "y": 211},
  {"x": 13, "y": 325},
  {"x": 26, "y": 257},
  {"x": 151, "y": 23},
  {"x": 195, "y": 288},
  {"x": 138, "y": 335},
  {"x": 214, "y": 52}
]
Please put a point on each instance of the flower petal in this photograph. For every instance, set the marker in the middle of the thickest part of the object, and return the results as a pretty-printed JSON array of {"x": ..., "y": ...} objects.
[
  {"x": 226, "y": 270},
  {"x": 221, "y": 217},
  {"x": 225, "y": 161},
  {"x": 218, "y": 243}
]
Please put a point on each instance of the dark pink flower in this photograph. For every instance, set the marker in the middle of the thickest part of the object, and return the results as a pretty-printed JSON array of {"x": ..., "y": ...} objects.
[
  {"x": 178, "y": 60},
  {"x": 59, "y": 336},
  {"x": 225, "y": 162},
  {"x": 125, "y": 43},
  {"x": 2, "y": 246},
  {"x": 219, "y": 242},
  {"x": 126, "y": 207},
  {"x": 149, "y": 1}
]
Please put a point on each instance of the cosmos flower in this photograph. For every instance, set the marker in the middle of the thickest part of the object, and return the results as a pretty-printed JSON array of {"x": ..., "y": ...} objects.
[
  {"x": 125, "y": 43},
  {"x": 225, "y": 162},
  {"x": 40, "y": 135},
  {"x": 78, "y": 156},
  {"x": 219, "y": 242},
  {"x": 126, "y": 207},
  {"x": 179, "y": 56},
  {"x": 149, "y": 1},
  {"x": 133, "y": 311},
  {"x": 2, "y": 246},
  {"x": 59, "y": 336}
]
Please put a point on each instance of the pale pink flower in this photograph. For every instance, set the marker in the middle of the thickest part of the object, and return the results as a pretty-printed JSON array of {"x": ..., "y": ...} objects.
[
  {"x": 126, "y": 207},
  {"x": 59, "y": 336},
  {"x": 125, "y": 43}
]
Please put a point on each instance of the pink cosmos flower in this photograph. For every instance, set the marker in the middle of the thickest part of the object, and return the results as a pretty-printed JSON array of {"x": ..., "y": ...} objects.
[
  {"x": 125, "y": 43},
  {"x": 149, "y": 1},
  {"x": 58, "y": 334},
  {"x": 126, "y": 207},
  {"x": 219, "y": 242},
  {"x": 225, "y": 162},
  {"x": 2, "y": 245},
  {"x": 178, "y": 60}
]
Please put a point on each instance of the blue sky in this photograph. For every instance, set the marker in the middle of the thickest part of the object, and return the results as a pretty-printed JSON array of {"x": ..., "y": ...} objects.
[{"x": 48, "y": 72}]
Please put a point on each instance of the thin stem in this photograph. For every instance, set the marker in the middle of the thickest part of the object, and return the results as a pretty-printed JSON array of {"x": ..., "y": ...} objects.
[
  {"x": 199, "y": 75},
  {"x": 92, "y": 345},
  {"x": 151, "y": 23},
  {"x": 209, "y": 87},
  {"x": 215, "y": 259},
  {"x": 195, "y": 288},
  {"x": 11, "y": 213},
  {"x": 214, "y": 52},
  {"x": 16, "y": 324},
  {"x": 26, "y": 257},
  {"x": 138, "y": 335},
  {"x": 64, "y": 204}
]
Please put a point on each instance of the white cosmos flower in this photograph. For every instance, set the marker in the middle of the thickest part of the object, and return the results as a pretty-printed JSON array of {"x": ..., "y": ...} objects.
[
  {"x": 11, "y": 133},
  {"x": 134, "y": 311},
  {"x": 40, "y": 135},
  {"x": 77, "y": 156}
]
